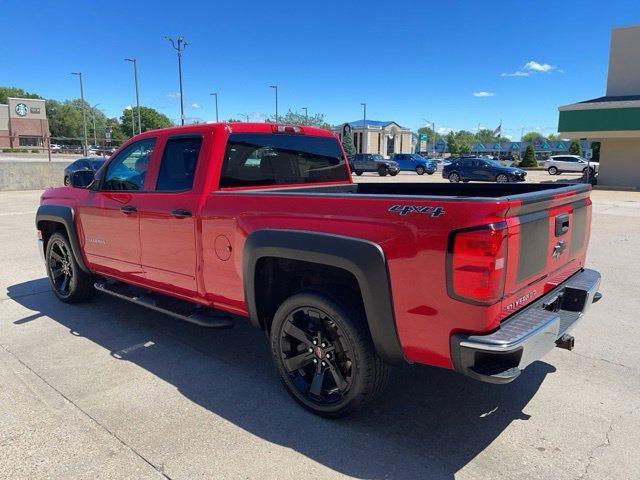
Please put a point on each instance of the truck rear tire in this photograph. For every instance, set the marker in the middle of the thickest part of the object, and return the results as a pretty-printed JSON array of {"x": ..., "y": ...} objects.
[
  {"x": 68, "y": 281},
  {"x": 324, "y": 354},
  {"x": 382, "y": 171}
]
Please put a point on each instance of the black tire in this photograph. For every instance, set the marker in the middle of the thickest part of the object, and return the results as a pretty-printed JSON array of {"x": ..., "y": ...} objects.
[
  {"x": 68, "y": 281},
  {"x": 382, "y": 171},
  {"x": 358, "y": 172},
  {"x": 346, "y": 373},
  {"x": 591, "y": 171},
  {"x": 502, "y": 178},
  {"x": 553, "y": 171},
  {"x": 67, "y": 181},
  {"x": 393, "y": 174},
  {"x": 430, "y": 173},
  {"x": 420, "y": 170},
  {"x": 454, "y": 177}
]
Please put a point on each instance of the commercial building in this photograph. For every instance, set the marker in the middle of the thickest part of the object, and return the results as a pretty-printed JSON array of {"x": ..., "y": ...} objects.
[
  {"x": 24, "y": 124},
  {"x": 542, "y": 147},
  {"x": 614, "y": 119},
  {"x": 383, "y": 137}
]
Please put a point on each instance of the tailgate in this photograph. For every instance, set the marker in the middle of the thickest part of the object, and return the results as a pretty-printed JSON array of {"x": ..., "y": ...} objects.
[{"x": 548, "y": 235}]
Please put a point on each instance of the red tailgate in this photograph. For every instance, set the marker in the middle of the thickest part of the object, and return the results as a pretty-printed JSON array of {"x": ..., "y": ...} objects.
[{"x": 548, "y": 235}]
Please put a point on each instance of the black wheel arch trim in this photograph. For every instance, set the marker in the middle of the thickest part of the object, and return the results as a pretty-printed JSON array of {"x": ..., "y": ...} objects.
[
  {"x": 64, "y": 215},
  {"x": 362, "y": 258}
]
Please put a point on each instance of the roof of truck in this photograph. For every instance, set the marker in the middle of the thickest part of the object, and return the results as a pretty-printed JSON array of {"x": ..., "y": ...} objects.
[{"x": 244, "y": 127}]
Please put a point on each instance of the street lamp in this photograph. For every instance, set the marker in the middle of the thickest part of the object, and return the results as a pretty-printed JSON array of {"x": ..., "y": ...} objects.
[
  {"x": 306, "y": 115},
  {"x": 245, "y": 115},
  {"x": 179, "y": 46},
  {"x": 84, "y": 116},
  {"x": 135, "y": 78},
  {"x": 215, "y": 95},
  {"x": 276, "y": 89},
  {"x": 364, "y": 127}
]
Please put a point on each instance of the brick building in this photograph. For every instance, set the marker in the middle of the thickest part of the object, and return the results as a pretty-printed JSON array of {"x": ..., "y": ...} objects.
[{"x": 24, "y": 124}]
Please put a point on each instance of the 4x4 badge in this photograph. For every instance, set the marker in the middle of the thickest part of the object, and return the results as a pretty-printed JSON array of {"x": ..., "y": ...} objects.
[{"x": 406, "y": 209}]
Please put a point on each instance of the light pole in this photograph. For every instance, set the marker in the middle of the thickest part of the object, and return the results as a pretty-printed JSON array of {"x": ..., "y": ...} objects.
[
  {"x": 276, "y": 89},
  {"x": 84, "y": 116},
  {"x": 135, "y": 78},
  {"x": 364, "y": 126},
  {"x": 179, "y": 46},
  {"x": 245, "y": 115},
  {"x": 215, "y": 95},
  {"x": 306, "y": 115}
]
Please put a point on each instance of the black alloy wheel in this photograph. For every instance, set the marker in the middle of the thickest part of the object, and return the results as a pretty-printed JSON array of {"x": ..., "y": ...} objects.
[
  {"x": 382, "y": 171},
  {"x": 420, "y": 170},
  {"x": 326, "y": 361},
  {"x": 69, "y": 282},
  {"x": 454, "y": 177},
  {"x": 60, "y": 266},
  {"x": 502, "y": 178},
  {"x": 67, "y": 181}
]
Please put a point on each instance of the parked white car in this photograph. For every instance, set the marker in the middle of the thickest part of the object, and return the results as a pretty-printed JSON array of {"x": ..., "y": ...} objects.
[{"x": 569, "y": 163}]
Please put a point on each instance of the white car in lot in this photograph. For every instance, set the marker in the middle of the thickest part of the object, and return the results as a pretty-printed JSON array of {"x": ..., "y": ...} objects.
[{"x": 570, "y": 163}]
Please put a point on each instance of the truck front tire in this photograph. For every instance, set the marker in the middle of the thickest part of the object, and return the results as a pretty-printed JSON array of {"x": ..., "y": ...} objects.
[
  {"x": 324, "y": 354},
  {"x": 68, "y": 281}
]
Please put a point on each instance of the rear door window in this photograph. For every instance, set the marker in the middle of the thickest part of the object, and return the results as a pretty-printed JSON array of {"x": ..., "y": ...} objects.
[
  {"x": 259, "y": 159},
  {"x": 178, "y": 165}
]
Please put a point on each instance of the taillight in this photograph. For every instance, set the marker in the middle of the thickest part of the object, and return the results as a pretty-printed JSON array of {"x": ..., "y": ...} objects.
[
  {"x": 287, "y": 129},
  {"x": 476, "y": 265}
]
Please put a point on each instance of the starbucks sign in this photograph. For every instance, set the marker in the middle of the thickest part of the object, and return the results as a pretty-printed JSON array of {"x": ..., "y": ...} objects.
[{"x": 21, "y": 109}]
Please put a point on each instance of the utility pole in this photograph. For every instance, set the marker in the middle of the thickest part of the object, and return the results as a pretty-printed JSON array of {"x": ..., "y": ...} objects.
[
  {"x": 135, "y": 78},
  {"x": 306, "y": 115},
  {"x": 179, "y": 45},
  {"x": 276, "y": 89},
  {"x": 84, "y": 116},
  {"x": 245, "y": 115},
  {"x": 215, "y": 95},
  {"x": 364, "y": 127},
  {"x": 93, "y": 115}
]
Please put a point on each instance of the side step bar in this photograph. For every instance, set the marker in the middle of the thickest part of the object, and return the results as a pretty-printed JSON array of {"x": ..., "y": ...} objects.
[{"x": 187, "y": 311}]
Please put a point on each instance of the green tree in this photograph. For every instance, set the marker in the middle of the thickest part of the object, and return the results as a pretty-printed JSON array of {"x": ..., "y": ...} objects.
[
  {"x": 453, "y": 146},
  {"x": 554, "y": 137},
  {"x": 485, "y": 135},
  {"x": 465, "y": 139},
  {"x": 150, "y": 119},
  {"x": 347, "y": 144},
  {"x": 233, "y": 120},
  {"x": 529, "y": 159},
  {"x": 432, "y": 136},
  {"x": 65, "y": 120},
  {"x": 575, "y": 149},
  {"x": 295, "y": 118},
  {"x": 6, "y": 92},
  {"x": 531, "y": 136},
  {"x": 595, "y": 146}
]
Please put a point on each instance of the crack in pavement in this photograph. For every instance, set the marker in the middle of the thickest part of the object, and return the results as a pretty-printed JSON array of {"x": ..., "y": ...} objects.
[{"x": 88, "y": 415}]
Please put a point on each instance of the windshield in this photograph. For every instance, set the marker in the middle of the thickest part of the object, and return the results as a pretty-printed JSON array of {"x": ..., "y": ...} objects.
[
  {"x": 259, "y": 159},
  {"x": 378, "y": 158}
]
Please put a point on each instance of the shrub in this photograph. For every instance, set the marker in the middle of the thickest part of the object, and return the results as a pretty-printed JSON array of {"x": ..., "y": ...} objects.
[
  {"x": 529, "y": 159},
  {"x": 575, "y": 149},
  {"x": 35, "y": 150}
]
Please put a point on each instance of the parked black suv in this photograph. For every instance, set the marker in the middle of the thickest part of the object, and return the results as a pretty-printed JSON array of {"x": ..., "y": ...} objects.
[
  {"x": 482, "y": 170},
  {"x": 372, "y": 162}
]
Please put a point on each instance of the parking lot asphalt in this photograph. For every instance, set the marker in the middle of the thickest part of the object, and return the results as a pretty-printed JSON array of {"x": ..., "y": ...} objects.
[{"x": 107, "y": 389}]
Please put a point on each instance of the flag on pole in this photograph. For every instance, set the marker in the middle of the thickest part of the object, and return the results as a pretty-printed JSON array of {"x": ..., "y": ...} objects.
[{"x": 498, "y": 131}]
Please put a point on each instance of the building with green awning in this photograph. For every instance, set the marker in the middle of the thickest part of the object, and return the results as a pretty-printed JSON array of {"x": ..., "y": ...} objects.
[{"x": 614, "y": 119}]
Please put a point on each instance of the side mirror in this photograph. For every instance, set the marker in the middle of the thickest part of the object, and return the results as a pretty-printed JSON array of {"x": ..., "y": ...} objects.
[{"x": 82, "y": 178}]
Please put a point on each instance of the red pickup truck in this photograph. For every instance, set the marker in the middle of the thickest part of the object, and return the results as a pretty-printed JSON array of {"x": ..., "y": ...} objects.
[{"x": 217, "y": 222}]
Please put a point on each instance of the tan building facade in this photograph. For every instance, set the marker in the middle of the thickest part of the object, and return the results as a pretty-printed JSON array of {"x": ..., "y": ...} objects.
[
  {"x": 385, "y": 138},
  {"x": 24, "y": 124},
  {"x": 613, "y": 120}
]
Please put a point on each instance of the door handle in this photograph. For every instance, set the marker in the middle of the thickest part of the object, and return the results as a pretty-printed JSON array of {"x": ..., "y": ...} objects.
[
  {"x": 181, "y": 213},
  {"x": 128, "y": 209}
]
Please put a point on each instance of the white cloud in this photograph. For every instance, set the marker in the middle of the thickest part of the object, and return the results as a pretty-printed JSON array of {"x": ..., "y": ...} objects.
[
  {"x": 483, "y": 94},
  {"x": 444, "y": 130},
  {"x": 532, "y": 67},
  {"x": 195, "y": 105},
  {"x": 508, "y": 137},
  {"x": 173, "y": 95}
]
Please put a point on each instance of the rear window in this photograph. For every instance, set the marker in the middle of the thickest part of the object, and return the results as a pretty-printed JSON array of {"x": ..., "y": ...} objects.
[{"x": 257, "y": 159}]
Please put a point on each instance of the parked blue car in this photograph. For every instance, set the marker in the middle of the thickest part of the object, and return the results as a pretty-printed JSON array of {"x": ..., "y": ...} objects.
[
  {"x": 412, "y": 162},
  {"x": 482, "y": 170}
]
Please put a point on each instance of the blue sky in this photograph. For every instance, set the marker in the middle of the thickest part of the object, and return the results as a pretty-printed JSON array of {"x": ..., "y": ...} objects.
[{"x": 408, "y": 60}]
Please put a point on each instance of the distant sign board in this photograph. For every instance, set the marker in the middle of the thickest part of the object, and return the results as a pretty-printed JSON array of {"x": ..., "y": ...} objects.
[
  {"x": 588, "y": 153},
  {"x": 423, "y": 137}
]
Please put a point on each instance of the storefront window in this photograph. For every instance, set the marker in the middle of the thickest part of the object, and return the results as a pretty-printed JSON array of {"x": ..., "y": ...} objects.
[{"x": 30, "y": 141}]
